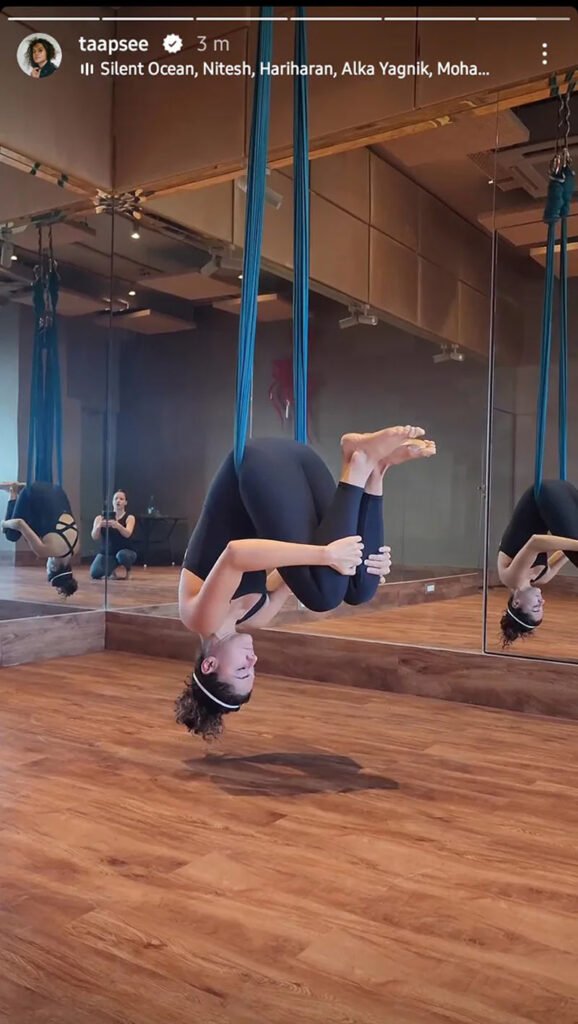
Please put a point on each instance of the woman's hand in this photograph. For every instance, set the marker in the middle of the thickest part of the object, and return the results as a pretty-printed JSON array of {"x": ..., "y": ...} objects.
[
  {"x": 11, "y": 524},
  {"x": 379, "y": 565},
  {"x": 345, "y": 555}
]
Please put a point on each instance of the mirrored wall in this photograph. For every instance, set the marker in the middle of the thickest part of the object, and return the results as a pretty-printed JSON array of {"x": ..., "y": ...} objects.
[
  {"x": 427, "y": 279},
  {"x": 536, "y": 599},
  {"x": 427, "y": 258},
  {"x": 400, "y": 310},
  {"x": 55, "y": 256}
]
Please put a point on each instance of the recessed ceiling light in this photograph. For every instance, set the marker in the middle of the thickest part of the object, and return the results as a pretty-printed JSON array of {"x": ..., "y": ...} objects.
[
  {"x": 135, "y": 233},
  {"x": 132, "y": 292}
]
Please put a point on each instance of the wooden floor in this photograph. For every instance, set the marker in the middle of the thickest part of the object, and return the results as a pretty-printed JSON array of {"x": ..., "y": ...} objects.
[
  {"x": 154, "y": 586},
  {"x": 457, "y": 624},
  {"x": 337, "y": 859},
  {"x": 447, "y": 624},
  {"x": 145, "y": 586}
]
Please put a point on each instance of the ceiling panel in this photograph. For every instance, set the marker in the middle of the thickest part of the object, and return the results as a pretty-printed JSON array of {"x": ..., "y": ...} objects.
[
  {"x": 146, "y": 321},
  {"x": 270, "y": 308},
  {"x": 191, "y": 286}
]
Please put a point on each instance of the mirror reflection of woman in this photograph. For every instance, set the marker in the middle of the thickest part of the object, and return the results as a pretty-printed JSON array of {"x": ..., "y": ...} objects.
[
  {"x": 280, "y": 526},
  {"x": 116, "y": 557},
  {"x": 41, "y": 54},
  {"x": 41, "y": 514},
  {"x": 541, "y": 538}
]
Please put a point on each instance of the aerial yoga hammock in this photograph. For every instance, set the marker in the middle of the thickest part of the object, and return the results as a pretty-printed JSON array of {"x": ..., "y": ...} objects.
[
  {"x": 39, "y": 510},
  {"x": 542, "y": 535},
  {"x": 273, "y": 507}
]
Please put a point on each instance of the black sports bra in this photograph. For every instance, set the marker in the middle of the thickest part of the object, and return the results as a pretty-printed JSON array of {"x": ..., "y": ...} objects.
[
  {"x": 62, "y": 529},
  {"x": 253, "y": 611},
  {"x": 544, "y": 569}
]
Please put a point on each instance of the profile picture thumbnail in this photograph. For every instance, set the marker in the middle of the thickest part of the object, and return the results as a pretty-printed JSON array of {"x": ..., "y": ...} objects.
[{"x": 39, "y": 55}]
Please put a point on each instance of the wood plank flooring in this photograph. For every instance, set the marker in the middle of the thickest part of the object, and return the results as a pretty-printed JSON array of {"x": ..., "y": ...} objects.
[
  {"x": 158, "y": 586},
  {"x": 456, "y": 624},
  {"x": 453, "y": 623},
  {"x": 339, "y": 858}
]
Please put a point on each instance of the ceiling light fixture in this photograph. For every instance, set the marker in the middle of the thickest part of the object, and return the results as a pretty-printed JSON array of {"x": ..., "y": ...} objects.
[
  {"x": 222, "y": 262},
  {"x": 446, "y": 355},
  {"x": 358, "y": 315},
  {"x": 274, "y": 199}
]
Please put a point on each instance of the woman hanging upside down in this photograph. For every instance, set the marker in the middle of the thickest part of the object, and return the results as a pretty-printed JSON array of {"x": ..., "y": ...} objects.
[
  {"x": 542, "y": 534},
  {"x": 41, "y": 513},
  {"x": 280, "y": 514}
]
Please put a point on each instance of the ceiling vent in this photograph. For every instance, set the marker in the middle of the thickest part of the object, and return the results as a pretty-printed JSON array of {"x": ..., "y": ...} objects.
[{"x": 525, "y": 167}]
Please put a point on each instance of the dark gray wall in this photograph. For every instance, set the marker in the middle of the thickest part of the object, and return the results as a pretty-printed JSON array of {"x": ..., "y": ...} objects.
[
  {"x": 9, "y": 359},
  {"x": 176, "y": 409}
]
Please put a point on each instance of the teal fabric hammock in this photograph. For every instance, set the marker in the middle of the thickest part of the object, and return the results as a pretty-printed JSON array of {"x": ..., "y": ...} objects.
[
  {"x": 560, "y": 192},
  {"x": 256, "y": 185},
  {"x": 45, "y": 420},
  {"x": 301, "y": 234}
]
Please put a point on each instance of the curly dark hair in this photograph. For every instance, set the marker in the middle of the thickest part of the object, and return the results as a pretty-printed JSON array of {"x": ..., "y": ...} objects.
[
  {"x": 523, "y": 625},
  {"x": 48, "y": 46},
  {"x": 64, "y": 582},
  {"x": 201, "y": 715}
]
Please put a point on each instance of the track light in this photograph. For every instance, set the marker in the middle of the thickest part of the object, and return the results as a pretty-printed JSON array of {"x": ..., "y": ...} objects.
[
  {"x": 222, "y": 263},
  {"x": 274, "y": 199},
  {"x": 447, "y": 355},
  {"x": 358, "y": 315}
]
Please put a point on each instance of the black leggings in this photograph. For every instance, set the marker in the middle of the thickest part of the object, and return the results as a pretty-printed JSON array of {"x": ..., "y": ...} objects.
[
  {"x": 290, "y": 495},
  {"x": 558, "y": 505},
  {"x": 17, "y": 508}
]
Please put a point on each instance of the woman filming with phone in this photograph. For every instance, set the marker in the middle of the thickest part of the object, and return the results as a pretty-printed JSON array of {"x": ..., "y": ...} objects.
[{"x": 114, "y": 530}]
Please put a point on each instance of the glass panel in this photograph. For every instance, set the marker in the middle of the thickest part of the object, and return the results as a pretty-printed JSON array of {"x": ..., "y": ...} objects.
[
  {"x": 175, "y": 345},
  {"x": 520, "y": 279},
  {"x": 45, "y": 228}
]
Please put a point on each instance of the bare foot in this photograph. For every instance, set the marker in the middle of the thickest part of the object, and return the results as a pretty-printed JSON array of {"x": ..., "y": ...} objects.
[
  {"x": 379, "y": 445},
  {"x": 410, "y": 450},
  {"x": 13, "y": 489},
  {"x": 357, "y": 468}
]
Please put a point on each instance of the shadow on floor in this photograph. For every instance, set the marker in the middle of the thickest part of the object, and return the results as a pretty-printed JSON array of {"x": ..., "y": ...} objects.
[{"x": 286, "y": 774}]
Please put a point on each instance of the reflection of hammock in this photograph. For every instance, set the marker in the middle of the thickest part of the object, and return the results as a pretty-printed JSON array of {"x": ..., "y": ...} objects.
[
  {"x": 45, "y": 423},
  {"x": 560, "y": 192},
  {"x": 256, "y": 177}
]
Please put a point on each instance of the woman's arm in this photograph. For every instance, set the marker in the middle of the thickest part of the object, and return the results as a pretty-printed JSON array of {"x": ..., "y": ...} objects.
[
  {"x": 555, "y": 564},
  {"x": 257, "y": 555},
  {"x": 204, "y": 611},
  {"x": 126, "y": 531},
  {"x": 96, "y": 528},
  {"x": 516, "y": 573},
  {"x": 32, "y": 539},
  {"x": 549, "y": 542}
]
